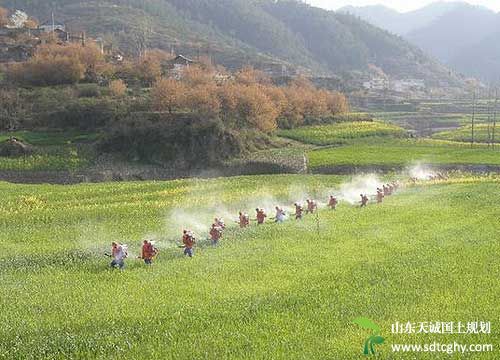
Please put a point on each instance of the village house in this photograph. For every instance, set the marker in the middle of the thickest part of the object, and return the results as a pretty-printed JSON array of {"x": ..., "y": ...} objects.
[
  {"x": 50, "y": 26},
  {"x": 176, "y": 66},
  {"x": 408, "y": 85},
  {"x": 378, "y": 83}
]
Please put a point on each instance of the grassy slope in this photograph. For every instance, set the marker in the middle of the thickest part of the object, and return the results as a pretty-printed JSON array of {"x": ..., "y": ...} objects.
[
  {"x": 268, "y": 292},
  {"x": 342, "y": 132},
  {"x": 482, "y": 134},
  {"x": 403, "y": 152}
]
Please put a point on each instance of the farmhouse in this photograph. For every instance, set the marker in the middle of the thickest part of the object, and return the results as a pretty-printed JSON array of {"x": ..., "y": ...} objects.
[
  {"x": 176, "y": 66},
  {"x": 408, "y": 85},
  {"x": 50, "y": 26}
]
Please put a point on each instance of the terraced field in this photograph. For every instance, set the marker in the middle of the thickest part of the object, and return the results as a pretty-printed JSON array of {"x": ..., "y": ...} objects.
[
  {"x": 483, "y": 133},
  {"x": 342, "y": 133},
  {"x": 403, "y": 153}
]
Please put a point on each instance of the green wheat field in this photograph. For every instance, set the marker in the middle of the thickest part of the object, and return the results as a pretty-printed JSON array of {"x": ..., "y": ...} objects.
[{"x": 278, "y": 291}]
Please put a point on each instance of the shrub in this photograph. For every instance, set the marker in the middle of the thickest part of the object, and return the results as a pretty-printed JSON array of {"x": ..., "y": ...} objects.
[
  {"x": 89, "y": 91},
  {"x": 117, "y": 88},
  {"x": 55, "y": 64}
]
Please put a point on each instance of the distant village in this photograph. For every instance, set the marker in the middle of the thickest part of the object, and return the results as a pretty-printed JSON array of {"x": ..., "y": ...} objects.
[{"x": 20, "y": 38}]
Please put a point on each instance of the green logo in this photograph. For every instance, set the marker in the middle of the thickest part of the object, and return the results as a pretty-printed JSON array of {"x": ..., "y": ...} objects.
[{"x": 374, "y": 338}]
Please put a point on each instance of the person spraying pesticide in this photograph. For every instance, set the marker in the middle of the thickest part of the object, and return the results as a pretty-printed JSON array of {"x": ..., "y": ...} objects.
[
  {"x": 261, "y": 216},
  {"x": 332, "y": 203},
  {"x": 280, "y": 215},
  {"x": 311, "y": 206},
  {"x": 188, "y": 241},
  {"x": 148, "y": 252},
  {"x": 119, "y": 253},
  {"x": 364, "y": 200},
  {"x": 299, "y": 210},
  {"x": 243, "y": 220},
  {"x": 215, "y": 234},
  {"x": 380, "y": 196}
]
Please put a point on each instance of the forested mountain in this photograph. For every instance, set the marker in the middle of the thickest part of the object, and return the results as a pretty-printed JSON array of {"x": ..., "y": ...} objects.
[
  {"x": 482, "y": 59},
  {"x": 455, "y": 31},
  {"x": 461, "y": 35},
  {"x": 238, "y": 32},
  {"x": 401, "y": 23}
]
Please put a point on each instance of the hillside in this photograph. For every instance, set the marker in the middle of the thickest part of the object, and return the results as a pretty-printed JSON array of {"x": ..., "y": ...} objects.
[
  {"x": 397, "y": 22},
  {"x": 482, "y": 59},
  {"x": 239, "y": 32},
  {"x": 455, "y": 31},
  {"x": 458, "y": 34}
]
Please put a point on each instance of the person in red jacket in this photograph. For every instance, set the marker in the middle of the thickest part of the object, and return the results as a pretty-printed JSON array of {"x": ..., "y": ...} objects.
[
  {"x": 215, "y": 234},
  {"x": 148, "y": 252},
  {"x": 298, "y": 211},
  {"x": 261, "y": 216},
  {"x": 311, "y": 206},
  {"x": 189, "y": 241},
  {"x": 332, "y": 203},
  {"x": 243, "y": 220}
]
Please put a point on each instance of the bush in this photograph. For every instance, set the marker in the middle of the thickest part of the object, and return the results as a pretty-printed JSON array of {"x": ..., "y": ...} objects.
[
  {"x": 55, "y": 64},
  {"x": 89, "y": 91},
  {"x": 117, "y": 88}
]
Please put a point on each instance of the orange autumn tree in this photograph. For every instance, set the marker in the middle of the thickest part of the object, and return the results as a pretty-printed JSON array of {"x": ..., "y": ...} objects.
[
  {"x": 337, "y": 103},
  {"x": 255, "y": 108},
  {"x": 148, "y": 68},
  {"x": 250, "y": 76},
  {"x": 248, "y": 99},
  {"x": 203, "y": 100},
  {"x": 117, "y": 88},
  {"x": 195, "y": 75},
  {"x": 227, "y": 94},
  {"x": 55, "y": 64},
  {"x": 168, "y": 95}
]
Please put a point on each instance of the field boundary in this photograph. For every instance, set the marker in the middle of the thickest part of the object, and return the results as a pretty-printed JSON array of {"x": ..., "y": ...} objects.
[{"x": 65, "y": 177}]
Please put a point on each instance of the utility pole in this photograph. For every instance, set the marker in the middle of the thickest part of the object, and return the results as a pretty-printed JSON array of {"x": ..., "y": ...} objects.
[
  {"x": 488, "y": 112},
  {"x": 473, "y": 116},
  {"x": 494, "y": 119}
]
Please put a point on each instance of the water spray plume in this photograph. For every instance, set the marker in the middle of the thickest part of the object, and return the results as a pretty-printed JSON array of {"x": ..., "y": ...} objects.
[
  {"x": 420, "y": 172},
  {"x": 365, "y": 184}
]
